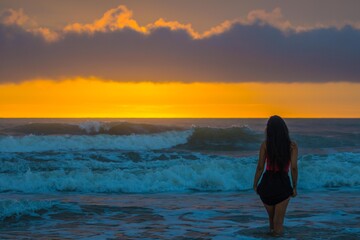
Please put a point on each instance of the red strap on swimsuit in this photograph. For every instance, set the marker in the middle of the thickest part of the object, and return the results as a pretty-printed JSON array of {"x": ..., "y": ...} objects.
[{"x": 269, "y": 167}]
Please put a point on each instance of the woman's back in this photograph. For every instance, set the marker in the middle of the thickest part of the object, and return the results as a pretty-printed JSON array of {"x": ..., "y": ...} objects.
[
  {"x": 275, "y": 167},
  {"x": 278, "y": 152}
]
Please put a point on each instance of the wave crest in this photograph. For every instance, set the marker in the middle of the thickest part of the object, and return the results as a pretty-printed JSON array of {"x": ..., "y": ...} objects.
[
  {"x": 33, "y": 143},
  {"x": 87, "y": 128},
  {"x": 224, "y": 139},
  {"x": 147, "y": 174},
  {"x": 19, "y": 208}
]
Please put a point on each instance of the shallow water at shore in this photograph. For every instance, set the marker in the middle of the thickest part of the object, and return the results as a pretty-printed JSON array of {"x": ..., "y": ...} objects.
[{"x": 331, "y": 214}]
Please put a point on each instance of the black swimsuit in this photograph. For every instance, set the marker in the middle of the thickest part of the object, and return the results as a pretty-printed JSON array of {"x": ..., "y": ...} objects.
[{"x": 274, "y": 187}]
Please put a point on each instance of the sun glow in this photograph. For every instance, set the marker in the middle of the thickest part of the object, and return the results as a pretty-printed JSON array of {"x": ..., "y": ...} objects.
[{"x": 97, "y": 98}]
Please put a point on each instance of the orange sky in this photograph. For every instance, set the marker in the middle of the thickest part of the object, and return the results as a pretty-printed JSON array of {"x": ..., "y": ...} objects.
[
  {"x": 261, "y": 61},
  {"x": 95, "y": 98}
]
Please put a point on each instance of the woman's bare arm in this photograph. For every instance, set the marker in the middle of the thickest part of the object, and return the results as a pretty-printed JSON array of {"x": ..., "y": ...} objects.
[
  {"x": 294, "y": 167},
  {"x": 260, "y": 165}
]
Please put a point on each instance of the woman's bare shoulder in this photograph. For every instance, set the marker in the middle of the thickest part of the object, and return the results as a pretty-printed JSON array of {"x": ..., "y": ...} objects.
[
  {"x": 263, "y": 145},
  {"x": 293, "y": 145}
]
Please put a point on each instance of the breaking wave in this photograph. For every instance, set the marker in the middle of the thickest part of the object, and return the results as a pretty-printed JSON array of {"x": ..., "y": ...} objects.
[
  {"x": 19, "y": 208},
  {"x": 136, "y": 136},
  {"x": 87, "y": 128},
  {"x": 35, "y": 143},
  {"x": 150, "y": 172}
]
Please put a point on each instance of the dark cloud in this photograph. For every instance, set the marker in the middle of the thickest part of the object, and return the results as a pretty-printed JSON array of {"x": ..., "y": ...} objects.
[{"x": 244, "y": 53}]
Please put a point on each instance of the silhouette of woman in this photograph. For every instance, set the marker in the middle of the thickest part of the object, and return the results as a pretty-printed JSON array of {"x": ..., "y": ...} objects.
[{"x": 279, "y": 153}]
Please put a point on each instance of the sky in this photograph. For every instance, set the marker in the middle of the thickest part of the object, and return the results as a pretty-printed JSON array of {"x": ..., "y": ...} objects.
[{"x": 201, "y": 58}]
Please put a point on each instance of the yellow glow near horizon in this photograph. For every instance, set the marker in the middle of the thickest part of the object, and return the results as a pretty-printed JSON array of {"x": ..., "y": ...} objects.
[{"x": 100, "y": 99}]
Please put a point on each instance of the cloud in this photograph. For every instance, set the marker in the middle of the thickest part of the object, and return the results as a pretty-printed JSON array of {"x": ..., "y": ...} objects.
[
  {"x": 274, "y": 18},
  {"x": 11, "y": 17},
  {"x": 261, "y": 47},
  {"x": 16, "y": 17},
  {"x": 121, "y": 17},
  {"x": 112, "y": 20}
]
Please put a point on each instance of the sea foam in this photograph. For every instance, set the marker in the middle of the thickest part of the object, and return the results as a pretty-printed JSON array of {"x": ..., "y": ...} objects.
[
  {"x": 35, "y": 143},
  {"x": 100, "y": 172},
  {"x": 18, "y": 208}
]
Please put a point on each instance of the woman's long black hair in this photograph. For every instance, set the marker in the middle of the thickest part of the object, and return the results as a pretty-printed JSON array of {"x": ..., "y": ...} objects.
[{"x": 277, "y": 142}]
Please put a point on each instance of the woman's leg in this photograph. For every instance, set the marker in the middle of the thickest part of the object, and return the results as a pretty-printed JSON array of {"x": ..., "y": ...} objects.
[
  {"x": 270, "y": 210},
  {"x": 280, "y": 210}
]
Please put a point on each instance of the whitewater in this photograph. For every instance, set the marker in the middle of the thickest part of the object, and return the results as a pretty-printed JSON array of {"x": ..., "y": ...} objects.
[{"x": 170, "y": 178}]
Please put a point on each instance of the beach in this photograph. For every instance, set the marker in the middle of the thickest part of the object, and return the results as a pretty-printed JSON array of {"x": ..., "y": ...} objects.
[{"x": 170, "y": 179}]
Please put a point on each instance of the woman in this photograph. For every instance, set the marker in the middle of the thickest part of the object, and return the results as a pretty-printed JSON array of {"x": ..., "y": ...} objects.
[{"x": 278, "y": 152}]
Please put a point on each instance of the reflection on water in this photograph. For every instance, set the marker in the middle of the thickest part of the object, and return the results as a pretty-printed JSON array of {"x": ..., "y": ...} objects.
[{"x": 226, "y": 215}]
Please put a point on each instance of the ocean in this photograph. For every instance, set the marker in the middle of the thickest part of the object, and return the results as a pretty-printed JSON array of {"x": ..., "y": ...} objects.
[{"x": 170, "y": 179}]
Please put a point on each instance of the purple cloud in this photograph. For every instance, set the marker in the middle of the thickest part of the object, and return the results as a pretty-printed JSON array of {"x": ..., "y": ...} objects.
[{"x": 261, "y": 49}]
